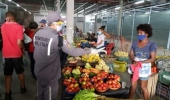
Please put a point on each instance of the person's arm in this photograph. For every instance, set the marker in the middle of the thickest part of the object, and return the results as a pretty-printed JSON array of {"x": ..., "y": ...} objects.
[
  {"x": 153, "y": 49},
  {"x": 131, "y": 53},
  {"x": 100, "y": 42},
  {"x": 20, "y": 44},
  {"x": 75, "y": 51},
  {"x": 131, "y": 56},
  {"x": 20, "y": 37},
  {"x": 106, "y": 34},
  {"x": 152, "y": 58},
  {"x": 69, "y": 49}
]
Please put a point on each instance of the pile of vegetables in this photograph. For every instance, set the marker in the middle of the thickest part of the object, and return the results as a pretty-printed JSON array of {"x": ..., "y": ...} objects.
[{"x": 87, "y": 95}]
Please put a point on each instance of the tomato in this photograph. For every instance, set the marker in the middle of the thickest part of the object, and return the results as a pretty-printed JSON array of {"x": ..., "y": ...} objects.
[
  {"x": 104, "y": 88},
  {"x": 110, "y": 82},
  {"x": 92, "y": 79},
  {"x": 83, "y": 86},
  {"x": 91, "y": 86},
  {"x": 99, "y": 88},
  {"x": 69, "y": 90}
]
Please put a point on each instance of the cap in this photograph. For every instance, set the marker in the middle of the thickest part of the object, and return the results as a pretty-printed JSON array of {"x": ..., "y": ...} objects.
[
  {"x": 43, "y": 21},
  {"x": 53, "y": 17}
]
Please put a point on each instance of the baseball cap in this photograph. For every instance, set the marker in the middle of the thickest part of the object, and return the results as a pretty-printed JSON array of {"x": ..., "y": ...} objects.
[
  {"x": 53, "y": 17},
  {"x": 43, "y": 21}
]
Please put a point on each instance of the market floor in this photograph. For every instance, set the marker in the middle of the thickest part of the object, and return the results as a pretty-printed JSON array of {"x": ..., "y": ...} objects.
[{"x": 31, "y": 86}]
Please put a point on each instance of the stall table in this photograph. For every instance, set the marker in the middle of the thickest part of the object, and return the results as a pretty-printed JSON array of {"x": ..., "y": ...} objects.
[{"x": 120, "y": 93}]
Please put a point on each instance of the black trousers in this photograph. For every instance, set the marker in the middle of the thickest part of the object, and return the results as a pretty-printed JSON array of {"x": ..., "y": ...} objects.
[
  {"x": 63, "y": 59},
  {"x": 31, "y": 56}
]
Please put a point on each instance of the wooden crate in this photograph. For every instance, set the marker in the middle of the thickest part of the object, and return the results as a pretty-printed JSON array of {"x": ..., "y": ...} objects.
[{"x": 152, "y": 82}]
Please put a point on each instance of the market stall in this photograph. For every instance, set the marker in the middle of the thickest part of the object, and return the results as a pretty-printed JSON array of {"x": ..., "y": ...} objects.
[{"x": 90, "y": 72}]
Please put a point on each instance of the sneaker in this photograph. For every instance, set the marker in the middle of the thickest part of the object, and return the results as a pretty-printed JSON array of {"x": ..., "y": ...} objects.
[
  {"x": 23, "y": 90},
  {"x": 8, "y": 96}
]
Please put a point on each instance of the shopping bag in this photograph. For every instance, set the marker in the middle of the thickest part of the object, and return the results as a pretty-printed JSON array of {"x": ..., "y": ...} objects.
[{"x": 27, "y": 39}]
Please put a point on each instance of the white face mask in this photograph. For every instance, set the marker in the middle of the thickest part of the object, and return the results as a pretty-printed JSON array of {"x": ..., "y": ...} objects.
[{"x": 59, "y": 28}]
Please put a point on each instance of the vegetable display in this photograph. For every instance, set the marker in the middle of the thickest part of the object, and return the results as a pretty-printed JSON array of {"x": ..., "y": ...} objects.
[
  {"x": 102, "y": 66},
  {"x": 86, "y": 95}
]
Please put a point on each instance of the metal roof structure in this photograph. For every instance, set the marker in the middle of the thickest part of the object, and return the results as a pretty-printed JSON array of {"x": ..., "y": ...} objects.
[{"x": 90, "y": 5}]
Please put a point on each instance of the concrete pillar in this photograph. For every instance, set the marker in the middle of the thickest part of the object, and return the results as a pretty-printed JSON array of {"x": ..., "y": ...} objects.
[
  {"x": 120, "y": 18},
  {"x": 84, "y": 21},
  {"x": 58, "y": 6},
  {"x": 70, "y": 20},
  {"x": 95, "y": 24}
]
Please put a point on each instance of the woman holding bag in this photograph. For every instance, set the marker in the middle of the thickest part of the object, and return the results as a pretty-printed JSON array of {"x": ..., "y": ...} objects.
[
  {"x": 142, "y": 54},
  {"x": 31, "y": 32}
]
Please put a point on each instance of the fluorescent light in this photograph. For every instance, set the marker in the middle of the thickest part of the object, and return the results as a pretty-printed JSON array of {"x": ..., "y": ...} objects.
[
  {"x": 9, "y": 0},
  {"x": 29, "y": 12},
  {"x": 63, "y": 16},
  {"x": 130, "y": 15},
  {"x": 147, "y": 13},
  {"x": 18, "y": 5},
  {"x": 155, "y": 11},
  {"x": 139, "y": 2},
  {"x": 117, "y": 8},
  {"x": 25, "y": 9}
]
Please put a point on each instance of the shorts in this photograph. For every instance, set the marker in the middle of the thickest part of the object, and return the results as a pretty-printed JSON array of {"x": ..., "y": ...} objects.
[
  {"x": 143, "y": 78},
  {"x": 11, "y": 63}
]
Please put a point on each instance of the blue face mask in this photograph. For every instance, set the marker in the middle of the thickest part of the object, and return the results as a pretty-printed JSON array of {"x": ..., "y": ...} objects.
[
  {"x": 99, "y": 32},
  {"x": 141, "y": 37}
]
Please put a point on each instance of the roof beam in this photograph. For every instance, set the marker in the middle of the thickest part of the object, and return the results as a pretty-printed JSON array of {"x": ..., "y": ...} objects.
[{"x": 80, "y": 6}]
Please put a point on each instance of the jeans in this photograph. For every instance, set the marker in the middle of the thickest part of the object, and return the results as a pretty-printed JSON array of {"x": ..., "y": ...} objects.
[{"x": 31, "y": 56}]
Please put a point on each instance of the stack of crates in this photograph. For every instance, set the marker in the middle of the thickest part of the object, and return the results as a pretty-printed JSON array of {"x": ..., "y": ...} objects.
[
  {"x": 109, "y": 48},
  {"x": 163, "y": 91}
]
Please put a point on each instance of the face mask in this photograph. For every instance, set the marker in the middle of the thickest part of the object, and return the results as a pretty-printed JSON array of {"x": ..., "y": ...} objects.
[
  {"x": 59, "y": 28},
  {"x": 141, "y": 37},
  {"x": 99, "y": 32}
]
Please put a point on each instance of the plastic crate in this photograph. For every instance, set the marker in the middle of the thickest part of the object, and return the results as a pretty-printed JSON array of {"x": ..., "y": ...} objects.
[
  {"x": 164, "y": 77},
  {"x": 123, "y": 59},
  {"x": 119, "y": 66},
  {"x": 163, "y": 91}
]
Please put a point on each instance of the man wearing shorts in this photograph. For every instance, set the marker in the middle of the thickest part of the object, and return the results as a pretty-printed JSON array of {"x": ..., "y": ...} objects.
[{"x": 12, "y": 51}]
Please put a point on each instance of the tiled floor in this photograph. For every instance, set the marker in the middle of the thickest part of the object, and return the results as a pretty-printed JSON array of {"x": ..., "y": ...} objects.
[{"x": 31, "y": 86}]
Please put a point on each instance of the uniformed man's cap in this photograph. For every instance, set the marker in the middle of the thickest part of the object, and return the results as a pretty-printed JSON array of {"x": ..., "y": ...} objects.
[{"x": 53, "y": 17}]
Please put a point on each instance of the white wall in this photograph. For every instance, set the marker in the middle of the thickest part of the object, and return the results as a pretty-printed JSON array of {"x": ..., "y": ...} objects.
[{"x": 38, "y": 17}]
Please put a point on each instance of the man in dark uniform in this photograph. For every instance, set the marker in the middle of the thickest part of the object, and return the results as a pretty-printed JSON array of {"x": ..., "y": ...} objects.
[{"x": 47, "y": 57}]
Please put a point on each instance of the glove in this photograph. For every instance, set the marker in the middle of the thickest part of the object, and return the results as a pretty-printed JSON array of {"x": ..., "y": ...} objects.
[{"x": 97, "y": 51}]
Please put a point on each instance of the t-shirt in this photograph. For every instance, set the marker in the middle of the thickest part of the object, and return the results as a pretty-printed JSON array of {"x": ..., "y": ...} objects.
[
  {"x": 31, "y": 35},
  {"x": 144, "y": 52},
  {"x": 11, "y": 33},
  {"x": 100, "y": 38}
]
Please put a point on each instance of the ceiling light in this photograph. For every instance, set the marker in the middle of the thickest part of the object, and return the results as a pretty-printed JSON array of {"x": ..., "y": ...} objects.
[
  {"x": 29, "y": 12},
  {"x": 63, "y": 16},
  {"x": 155, "y": 11},
  {"x": 25, "y": 9},
  {"x": 139, "y": 2},
  {"x": 147, "y": 13},
  {"x": 9, "y": 0},
  {"x": 18, "y": 5},
  {"x": 130, "y": 15},
  {"x": 117, "y": 8}
]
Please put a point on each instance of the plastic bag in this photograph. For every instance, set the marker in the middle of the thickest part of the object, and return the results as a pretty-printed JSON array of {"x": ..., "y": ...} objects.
[{"x": 27, "y": 39}]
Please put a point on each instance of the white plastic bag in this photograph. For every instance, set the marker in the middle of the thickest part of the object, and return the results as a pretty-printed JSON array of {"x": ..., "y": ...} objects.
[{"x": 27, "y": 39}]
